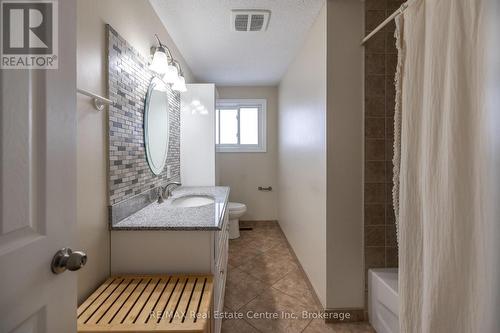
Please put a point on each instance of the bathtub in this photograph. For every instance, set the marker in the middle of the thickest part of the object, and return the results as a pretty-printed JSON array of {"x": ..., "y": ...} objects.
[{"x": 383, "y": 302}]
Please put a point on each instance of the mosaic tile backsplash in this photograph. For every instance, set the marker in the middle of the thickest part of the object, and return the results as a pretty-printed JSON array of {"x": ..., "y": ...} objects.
[{"x": 128, "y": 81}]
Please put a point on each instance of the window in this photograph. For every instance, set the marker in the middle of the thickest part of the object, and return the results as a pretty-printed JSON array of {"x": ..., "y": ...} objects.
[{"x": 240, "y": 125}]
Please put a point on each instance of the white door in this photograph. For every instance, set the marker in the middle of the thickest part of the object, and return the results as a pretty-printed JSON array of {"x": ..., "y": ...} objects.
[{"x": 38, "y": 198}]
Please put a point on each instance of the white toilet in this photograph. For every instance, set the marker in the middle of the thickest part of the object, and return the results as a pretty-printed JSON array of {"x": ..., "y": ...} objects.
[{"x": 236, "y": 210}]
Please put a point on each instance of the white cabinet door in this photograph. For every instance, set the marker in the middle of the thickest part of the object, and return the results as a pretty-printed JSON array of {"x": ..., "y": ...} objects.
[
  {"x": 38, "y": 198},
  {"x": 198, "y": 135},
  {"x": 221, "y": 245}
]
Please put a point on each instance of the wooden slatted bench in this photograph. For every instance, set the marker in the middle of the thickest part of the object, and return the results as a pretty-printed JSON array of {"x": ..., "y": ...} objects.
[{"x": 149, "y": 303}]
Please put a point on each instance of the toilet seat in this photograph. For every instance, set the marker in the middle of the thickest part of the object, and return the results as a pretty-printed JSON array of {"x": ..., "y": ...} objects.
[{"x": 235, "y": 207}]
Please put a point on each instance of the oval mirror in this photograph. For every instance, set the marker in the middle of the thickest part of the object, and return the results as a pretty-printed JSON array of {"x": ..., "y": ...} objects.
[{"x": 156, "y": 125}]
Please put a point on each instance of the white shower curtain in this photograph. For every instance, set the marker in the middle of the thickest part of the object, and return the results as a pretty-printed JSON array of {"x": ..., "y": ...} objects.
[{"x": 446, "y": 180}]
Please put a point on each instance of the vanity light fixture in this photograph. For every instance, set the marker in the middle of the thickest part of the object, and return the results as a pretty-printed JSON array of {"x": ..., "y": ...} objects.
[
  {"x": 171, "y": 75},
  {"x": 167, "y": 67},
  {"x": 159, "y": 64},
  {"x": 180, "y": 84}
]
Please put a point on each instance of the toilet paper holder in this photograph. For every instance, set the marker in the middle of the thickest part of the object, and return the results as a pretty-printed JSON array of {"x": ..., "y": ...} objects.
[{"x": 265, "y": 189}]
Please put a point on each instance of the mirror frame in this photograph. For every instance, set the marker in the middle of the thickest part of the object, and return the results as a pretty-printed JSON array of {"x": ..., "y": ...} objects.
[{"x": 155, "y": 81}]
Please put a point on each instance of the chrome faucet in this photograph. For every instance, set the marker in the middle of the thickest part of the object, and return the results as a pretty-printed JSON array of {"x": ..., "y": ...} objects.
[{"x": 166, "y": 190}]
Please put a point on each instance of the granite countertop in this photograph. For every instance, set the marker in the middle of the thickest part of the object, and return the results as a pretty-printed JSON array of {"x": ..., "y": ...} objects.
[{"x": 165, "y": 216}]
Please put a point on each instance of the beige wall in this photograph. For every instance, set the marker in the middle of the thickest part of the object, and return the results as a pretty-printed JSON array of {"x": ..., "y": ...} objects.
[
  {"x": 302, "y": 155},
  {"x": 244, "y": 172},
  {"x": 320, "y": 161},
  {"x": 345, "y": 288},
  {"x": 137, "y": 22}
]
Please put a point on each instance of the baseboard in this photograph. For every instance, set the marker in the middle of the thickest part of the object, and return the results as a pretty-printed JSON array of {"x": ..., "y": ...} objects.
[
  {"x": 254, "y": 223},
  {"x": 348, "y": 315},
  {"x": 304, "y": 274}
]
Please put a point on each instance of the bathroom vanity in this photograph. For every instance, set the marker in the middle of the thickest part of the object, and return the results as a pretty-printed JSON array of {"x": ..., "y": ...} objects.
[{"x": 188, "y": 233}]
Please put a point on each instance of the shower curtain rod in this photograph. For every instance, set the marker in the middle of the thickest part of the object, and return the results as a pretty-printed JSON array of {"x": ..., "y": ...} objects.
[{"x": 387, "y": 20}]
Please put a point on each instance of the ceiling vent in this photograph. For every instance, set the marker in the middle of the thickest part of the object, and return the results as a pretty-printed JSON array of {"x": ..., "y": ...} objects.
[{"x": 250, "y": 19}]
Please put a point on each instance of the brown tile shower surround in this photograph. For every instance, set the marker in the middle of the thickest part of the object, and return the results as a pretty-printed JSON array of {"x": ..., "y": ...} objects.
[
  {"x": 128, "y": 81},
  {"x": 264, "y": 276},
  {"x": 380, "y": 67}
]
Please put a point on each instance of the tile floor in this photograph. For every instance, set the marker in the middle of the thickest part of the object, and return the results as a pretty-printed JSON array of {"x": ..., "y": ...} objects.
[{"x": 264, "y": 278}]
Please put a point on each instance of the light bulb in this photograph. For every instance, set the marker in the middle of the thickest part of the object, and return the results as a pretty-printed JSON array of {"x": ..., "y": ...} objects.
[
  {"x": 160, "y": 61},
  {"x": 171, "y": 74},
  {"x": 180, "y": 85}
]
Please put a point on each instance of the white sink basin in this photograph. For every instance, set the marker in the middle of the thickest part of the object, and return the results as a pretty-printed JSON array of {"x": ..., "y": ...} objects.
[{"x": 193, "y": 201}]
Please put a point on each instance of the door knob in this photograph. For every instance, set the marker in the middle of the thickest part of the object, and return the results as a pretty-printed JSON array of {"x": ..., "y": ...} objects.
[{"x": 67, "y": 259}]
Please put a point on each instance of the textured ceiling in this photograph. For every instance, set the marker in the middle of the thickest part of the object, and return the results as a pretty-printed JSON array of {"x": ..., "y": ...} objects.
[{"x": 201, "y": 29}]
